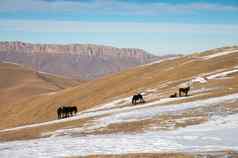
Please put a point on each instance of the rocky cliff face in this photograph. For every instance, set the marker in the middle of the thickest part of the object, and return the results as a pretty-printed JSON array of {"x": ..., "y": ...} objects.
[{"x": 84, "y": 61}]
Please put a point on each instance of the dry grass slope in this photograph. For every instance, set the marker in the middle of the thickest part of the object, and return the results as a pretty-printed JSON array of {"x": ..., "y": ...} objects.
[
  {"x": 19, "y": 83},
  {"x": 175, "y": 71}
]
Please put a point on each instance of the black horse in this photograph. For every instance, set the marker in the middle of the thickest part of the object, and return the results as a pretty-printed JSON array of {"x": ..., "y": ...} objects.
[
  {"x": 173, "y": 95},
  {"x": 66, "y": 111},
  {"x": 184, "y": 90},
  {"x": 60, "y": 112},
  {"x": 137, "y": 97},
  {"x": 71, "y": 110}
]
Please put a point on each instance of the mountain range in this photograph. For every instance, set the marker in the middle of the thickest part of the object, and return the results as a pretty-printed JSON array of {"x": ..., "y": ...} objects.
[{"x": 78, "y": 61}]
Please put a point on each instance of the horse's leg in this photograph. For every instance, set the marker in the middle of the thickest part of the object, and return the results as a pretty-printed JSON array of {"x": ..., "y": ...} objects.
[
  {"x": 134, "y": 101},
  {"x": 75, "y": 110},
  {"x": 67, "y": 114},
  {"x": 186, "y": 92}
]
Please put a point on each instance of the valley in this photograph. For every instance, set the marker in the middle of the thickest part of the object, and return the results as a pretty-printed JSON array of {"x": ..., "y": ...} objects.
[{"x": 202, "y": 123}]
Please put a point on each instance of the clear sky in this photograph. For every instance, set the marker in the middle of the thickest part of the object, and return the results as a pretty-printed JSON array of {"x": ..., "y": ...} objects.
[{"x": 158, "y": 26}]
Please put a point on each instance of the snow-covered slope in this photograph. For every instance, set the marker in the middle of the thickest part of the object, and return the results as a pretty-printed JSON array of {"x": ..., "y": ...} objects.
[{"x": 215, "y": 135}]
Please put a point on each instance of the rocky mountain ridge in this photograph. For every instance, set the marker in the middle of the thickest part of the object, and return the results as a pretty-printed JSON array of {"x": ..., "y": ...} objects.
[{"x": 84, "y": 61}]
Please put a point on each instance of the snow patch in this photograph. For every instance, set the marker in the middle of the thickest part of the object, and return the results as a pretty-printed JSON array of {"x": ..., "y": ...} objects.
[
  {"x": 135, "y": 113},
  {"x": 161, "y": 60},
  {"x": 8, "y": 62},
  {"x": 199, "y": 79},
  {"x": 220, "y": 54},
  {"x": 222, "y": 74},
  {"x": 214, "y": 135},
  {"x": 142, "y": 113},
  {"x": 202, "y": 90}
]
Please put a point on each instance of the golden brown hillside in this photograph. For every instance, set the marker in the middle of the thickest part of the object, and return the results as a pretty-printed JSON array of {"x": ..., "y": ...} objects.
[
  {"x": 17, "y": 83},
  {"x": 165, "y": 76}
]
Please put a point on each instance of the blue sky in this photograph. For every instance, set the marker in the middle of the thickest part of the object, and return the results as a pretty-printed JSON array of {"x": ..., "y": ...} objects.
[{"x": 158, "y": 26}]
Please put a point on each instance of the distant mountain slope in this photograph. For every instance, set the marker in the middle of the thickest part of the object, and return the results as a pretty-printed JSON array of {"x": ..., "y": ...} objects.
[
  {"x": 160, "y": 79},
  {"x": 84, "y": 61},
  {"x": 18, "y": 82}
]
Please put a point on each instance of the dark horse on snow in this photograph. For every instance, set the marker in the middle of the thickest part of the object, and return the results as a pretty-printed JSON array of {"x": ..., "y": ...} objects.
[
  {"x": 66, "y": 111},
  {"x": 184, "y": 91},
  {"x": 173, "y": 95},
  {"x": 137, "y": 97}
]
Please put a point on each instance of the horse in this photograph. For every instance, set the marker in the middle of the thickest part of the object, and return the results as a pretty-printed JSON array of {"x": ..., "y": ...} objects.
[
  {"x": 184, "y": 90},
  {"x": 173, "y": 95},
  {"x": 66, "y": 111},
  {"x": 60, "y": 112},
  {"x": 73, "y": 110},
  {"x": 137, "y": 97}
]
